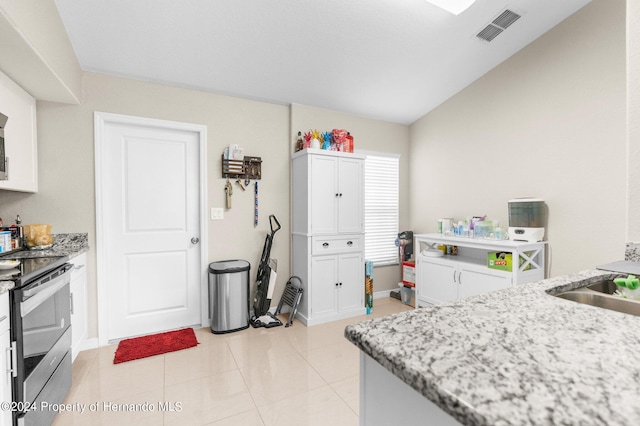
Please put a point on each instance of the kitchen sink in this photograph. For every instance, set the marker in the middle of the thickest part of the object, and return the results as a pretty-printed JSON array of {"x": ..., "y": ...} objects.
[
  {"x": 600, "y": 294},
  {"x": 607, "y": 287}
]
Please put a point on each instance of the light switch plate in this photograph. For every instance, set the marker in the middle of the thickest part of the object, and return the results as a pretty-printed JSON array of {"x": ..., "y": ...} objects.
[{"x": 217, "y": 213}]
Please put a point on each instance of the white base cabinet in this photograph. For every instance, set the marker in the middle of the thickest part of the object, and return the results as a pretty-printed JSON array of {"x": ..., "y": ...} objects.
[
  {"x": 332, "y": 280},
  {"x": 336, "y": 288},
  {"x": 5, "y": 359},
  {"x": 450, "y": 278},
  {"x": 381, "y": 389},
  {"x": 447, "y": 280},
  {"x": 78, "y": 305}
]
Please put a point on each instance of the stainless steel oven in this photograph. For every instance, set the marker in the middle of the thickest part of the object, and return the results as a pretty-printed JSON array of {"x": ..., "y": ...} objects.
[{"x": 41, "y": 338}]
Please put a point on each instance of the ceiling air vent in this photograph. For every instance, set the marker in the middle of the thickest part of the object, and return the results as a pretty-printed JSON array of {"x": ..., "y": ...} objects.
[{"x": 502, "y": 22}]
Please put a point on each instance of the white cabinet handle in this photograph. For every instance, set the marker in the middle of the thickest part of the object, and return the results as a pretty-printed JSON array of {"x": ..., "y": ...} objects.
[{"x": 454, "y": 276}]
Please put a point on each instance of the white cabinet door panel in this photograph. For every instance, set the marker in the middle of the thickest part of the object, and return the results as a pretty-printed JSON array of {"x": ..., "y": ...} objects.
[
  {"x": 5, "y": 344},
  {"x": 350, "y": 202},
  {"x": 324, "y": 271},
  {"x": 438, "y": 281},
  {"x": 78, "y": 289},
  {"x": 350, "y": 278},
  {"x": 473, "y": 282},
  {"x": 323, "y": 195}
]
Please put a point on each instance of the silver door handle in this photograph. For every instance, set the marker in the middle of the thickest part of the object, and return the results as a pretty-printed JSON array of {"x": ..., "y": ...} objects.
[{"x": 195, "y": 240}]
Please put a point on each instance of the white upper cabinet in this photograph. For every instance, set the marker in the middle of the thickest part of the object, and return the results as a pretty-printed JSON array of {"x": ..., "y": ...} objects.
[
  {"x": 20, "y": 139},
  {"x": 328, "y": 193}
]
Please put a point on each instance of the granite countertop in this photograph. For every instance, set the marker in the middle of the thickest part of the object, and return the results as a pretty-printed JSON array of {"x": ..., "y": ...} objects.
[
  {"x": 5, "y": 286},
  {"x": 63, "y": 245},
  {"x": 516, "y": 356},
  {"x": 69, "y": 245}
]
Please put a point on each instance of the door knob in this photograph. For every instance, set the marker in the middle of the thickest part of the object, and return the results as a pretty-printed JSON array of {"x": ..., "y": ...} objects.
[{"x": 195, "y": 240}]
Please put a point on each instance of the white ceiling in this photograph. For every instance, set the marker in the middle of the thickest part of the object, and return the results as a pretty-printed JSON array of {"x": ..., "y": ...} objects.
[{"x": 384, "y": 59}]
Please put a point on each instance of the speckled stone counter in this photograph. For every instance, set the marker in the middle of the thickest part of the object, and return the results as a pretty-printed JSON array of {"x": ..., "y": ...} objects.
[
  {"x": 5, "y": 286},
  {"x": 63, "y": 245},
  {"x": 516, "y": 357}
]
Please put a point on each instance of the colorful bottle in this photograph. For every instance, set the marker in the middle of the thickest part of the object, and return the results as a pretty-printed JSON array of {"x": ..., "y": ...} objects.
[{"x": 299, "y": 142}]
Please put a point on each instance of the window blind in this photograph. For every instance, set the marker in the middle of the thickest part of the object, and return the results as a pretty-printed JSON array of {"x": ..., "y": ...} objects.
[{"x": 381, "y": 208}]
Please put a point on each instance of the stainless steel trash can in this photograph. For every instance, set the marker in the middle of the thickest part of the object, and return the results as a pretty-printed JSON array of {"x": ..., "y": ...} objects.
[{"x": 229, "y": 295}]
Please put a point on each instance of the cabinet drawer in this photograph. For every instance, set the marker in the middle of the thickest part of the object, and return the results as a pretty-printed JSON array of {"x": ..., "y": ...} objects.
[
  {"x": 341, "y": 244},
  {"x": 79, "y": 265}
]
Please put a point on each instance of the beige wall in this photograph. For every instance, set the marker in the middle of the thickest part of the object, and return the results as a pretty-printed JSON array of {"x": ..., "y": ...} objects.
[
  {"x": 66, "y": 156},
  {"x": 633, "y": 117},
  {"x": 549, "y": 122},
  {"x": 369, "y": 135}
]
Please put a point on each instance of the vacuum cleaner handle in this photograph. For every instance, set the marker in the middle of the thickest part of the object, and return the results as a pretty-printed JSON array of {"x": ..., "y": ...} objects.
[{"x": 272, "y": 218}]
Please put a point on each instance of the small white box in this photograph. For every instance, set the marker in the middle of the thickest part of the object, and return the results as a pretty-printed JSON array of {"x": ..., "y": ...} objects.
[{"x": 235, "y": 152}]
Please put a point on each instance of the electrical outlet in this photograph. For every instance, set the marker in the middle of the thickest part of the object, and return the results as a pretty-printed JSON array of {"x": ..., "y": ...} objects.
[{"x": 217, "y": 213}]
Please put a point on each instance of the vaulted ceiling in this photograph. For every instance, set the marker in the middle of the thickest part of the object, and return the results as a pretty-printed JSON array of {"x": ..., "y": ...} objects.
[{"x": 382, "y": 59}]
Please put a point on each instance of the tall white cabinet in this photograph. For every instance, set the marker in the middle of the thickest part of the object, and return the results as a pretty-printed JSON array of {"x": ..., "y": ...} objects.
[{"x": 328, "y": 234}]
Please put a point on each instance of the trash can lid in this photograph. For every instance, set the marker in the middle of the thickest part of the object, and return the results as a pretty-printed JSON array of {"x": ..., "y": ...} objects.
[{"x": 228, "y": 266}]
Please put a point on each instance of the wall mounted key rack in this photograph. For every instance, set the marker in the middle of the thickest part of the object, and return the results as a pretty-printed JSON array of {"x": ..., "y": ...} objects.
[{"x": 249, "y": 168}]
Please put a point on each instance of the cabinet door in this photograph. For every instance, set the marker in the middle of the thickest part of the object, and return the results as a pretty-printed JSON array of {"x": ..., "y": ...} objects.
[
  {"x": 351, "y": 282},
  {"x": 475, "y": 281},
  {"x": 324, "y": 195},
  {"x": 324, "y": 288},
  {"x": 438, "y": 281},
  {"x": 78, "y": 289},
  {"x": 5, "y": 373},
  {"x": 20, "y": 137},
  {"x": 350, "y": 196}
]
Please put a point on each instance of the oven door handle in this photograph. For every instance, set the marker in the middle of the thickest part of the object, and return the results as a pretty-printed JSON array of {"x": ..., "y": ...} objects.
[
  {"x": 39, "y": 294},
  {"x": 12, "y": 360}
]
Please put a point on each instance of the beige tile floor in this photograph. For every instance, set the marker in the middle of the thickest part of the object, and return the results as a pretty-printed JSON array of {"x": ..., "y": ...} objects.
[{"x": 279, "y": 376}]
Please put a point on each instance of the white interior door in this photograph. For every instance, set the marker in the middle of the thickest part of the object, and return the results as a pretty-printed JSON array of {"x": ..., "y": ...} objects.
[{"x": 149, "y": 225}]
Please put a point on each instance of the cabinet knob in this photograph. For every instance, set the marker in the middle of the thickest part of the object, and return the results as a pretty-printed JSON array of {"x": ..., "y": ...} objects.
[
  {"x": 349, "y": 243},
  {"x": 325, "y": 244},
  {"x": 337, "y": 195},
  {"x": 340, "y": 284},
  {"x": 337, "y": 284},
  {"x": 340, "y": 194}
]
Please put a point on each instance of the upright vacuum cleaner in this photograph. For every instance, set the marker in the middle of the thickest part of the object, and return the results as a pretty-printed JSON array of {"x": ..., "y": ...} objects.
[{"x": 265, "y": 283}]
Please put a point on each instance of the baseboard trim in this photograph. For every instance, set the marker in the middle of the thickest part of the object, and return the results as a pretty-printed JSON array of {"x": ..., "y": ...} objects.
[
  {"x": 381, "y": 294},
  {"x": 89, "y": 344}
]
